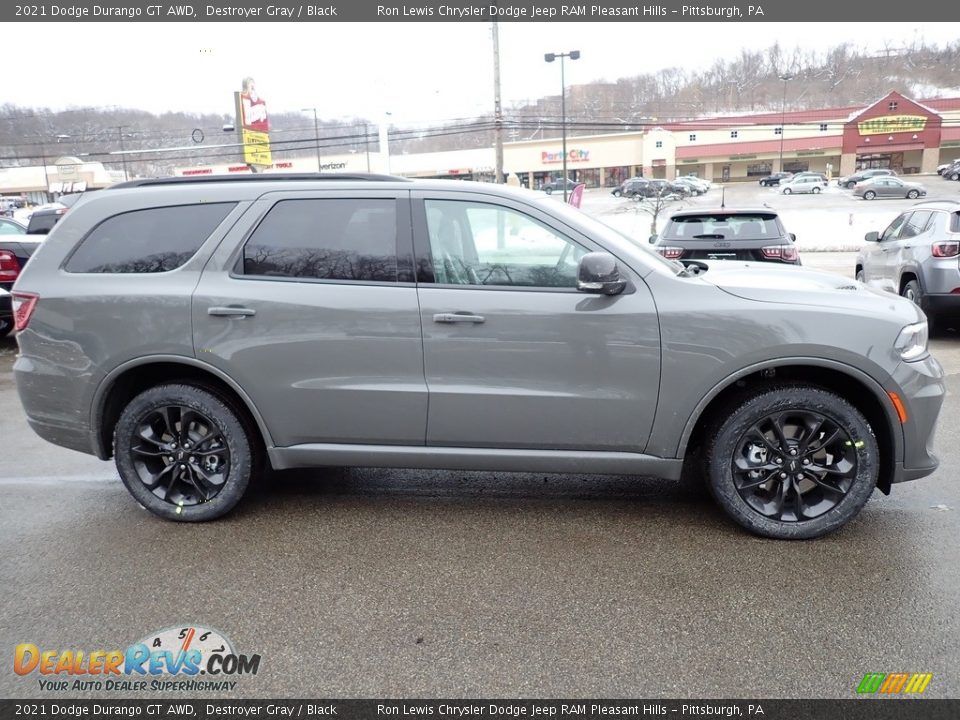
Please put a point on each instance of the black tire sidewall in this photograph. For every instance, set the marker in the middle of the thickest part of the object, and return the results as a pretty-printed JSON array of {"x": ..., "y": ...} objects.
[
  {"x": 722, "y": 447},
  {"x": 238, "y": 444}
]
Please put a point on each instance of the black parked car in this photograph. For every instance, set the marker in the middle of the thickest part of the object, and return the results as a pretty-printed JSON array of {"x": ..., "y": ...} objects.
[
  {"x": 744, "y": 234},
  {"x": 633, "y": 187},
  {"x": 775, "y": 179},
  {"x": 851, "y": 181}
]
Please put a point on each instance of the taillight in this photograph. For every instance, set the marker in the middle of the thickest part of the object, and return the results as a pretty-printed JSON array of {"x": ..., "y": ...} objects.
[
  {"x": 786, "y": 253},
  {"x": 23, "y": 305},
  {"x": 940, "y": 249},
  {"x": 9, "y": 266},
  {"x": 671, "y": 253}
]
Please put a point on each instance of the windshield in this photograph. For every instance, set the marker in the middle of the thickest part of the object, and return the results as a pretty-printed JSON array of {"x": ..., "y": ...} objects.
[{"x": 723, "y": 226}]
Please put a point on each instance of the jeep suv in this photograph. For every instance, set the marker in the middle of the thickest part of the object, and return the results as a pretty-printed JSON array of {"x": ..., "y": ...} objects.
[
  {"x": 195, "y": 329},
  {"x": 746, "y": 234},
  {"x": 918, "y": 256}
]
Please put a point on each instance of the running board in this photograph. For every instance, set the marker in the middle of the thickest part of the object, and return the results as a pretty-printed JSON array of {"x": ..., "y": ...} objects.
[{"x": 455, "y": 458}]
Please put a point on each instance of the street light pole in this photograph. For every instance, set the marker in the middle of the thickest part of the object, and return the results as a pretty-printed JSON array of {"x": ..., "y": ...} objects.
[
  {"x": 316, "y": 135},
  {"x": 550, "y": 57},
  {"x": 783, "y": 115}
]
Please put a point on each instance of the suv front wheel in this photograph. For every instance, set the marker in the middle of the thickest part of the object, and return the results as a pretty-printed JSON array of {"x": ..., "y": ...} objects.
[
  {"x": 183, "y": 453},
  {"x": 793, "y": 463}
]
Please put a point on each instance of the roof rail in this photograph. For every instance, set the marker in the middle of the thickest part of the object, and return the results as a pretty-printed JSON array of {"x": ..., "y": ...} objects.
[
  {"x": 259, "y": 177},
  {"x": 935, "y": 200}
]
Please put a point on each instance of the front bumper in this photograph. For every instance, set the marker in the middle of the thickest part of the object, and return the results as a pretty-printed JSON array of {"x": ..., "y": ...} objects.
[{"x": 920, "y": 386}]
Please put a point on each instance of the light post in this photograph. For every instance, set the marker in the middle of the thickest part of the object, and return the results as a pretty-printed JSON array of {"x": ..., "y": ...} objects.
[
  {"x": 550, "y": 57},
  {"x": 783, "y": 115},
  {"x": 316, "y": 135},
  {"x": 123, "y": 153}
]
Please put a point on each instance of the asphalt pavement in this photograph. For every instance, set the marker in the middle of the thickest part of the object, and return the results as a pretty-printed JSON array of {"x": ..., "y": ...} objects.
[{"x": 399, "y": 583}]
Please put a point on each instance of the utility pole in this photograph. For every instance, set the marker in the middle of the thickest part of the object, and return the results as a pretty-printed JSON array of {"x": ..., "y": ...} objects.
[
  {"x": 366, "y": 143},
  {"x": 497, "y": 109},
  {"x": 123, "y": 155},
  {"x": 783, "y": 114},
  {"x": 316, "y": 136}
]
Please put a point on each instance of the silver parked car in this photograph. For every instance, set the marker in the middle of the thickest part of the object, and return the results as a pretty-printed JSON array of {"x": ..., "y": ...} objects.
[
  {"x": 197, "y": 328},
  {"x": 888, "y": 187},
  {"x": 803, "y": 184},
  {"x": 918, "y": 257}
]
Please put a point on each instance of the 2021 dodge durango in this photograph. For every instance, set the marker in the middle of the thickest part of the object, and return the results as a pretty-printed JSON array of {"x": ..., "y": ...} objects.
[{"x": 195, "y": 329}]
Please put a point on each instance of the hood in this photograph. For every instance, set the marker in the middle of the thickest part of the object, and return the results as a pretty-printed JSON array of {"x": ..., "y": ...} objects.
[{"x": 762, "y": 282}]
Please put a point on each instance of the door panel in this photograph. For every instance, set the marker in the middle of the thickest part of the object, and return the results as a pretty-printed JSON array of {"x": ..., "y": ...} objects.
[
  {"x": 514, "y": 355},
  {"x": 323, "y": 360}
]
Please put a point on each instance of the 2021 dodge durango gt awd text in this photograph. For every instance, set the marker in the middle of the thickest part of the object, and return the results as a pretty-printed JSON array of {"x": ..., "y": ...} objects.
[{"x": 196, "y": 330}]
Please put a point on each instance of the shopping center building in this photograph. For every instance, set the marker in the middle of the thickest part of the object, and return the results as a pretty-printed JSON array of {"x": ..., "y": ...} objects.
[{"x": 909, "y": 136}]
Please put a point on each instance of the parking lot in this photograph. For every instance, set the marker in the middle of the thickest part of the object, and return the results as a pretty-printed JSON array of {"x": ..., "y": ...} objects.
[{"x": 394, "y": 583}]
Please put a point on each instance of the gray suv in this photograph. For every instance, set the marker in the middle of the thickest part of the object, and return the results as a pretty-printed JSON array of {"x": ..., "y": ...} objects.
[
  {"x": 918, "y": 257},
  {"x": 199, "y": 330}
]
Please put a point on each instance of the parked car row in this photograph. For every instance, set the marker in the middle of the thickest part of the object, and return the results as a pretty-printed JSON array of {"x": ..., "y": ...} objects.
[
  {"x": 646, "y": 187},
  {"x": 950, "y": 170}
]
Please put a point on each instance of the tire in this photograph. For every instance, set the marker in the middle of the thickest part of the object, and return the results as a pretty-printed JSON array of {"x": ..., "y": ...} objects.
[
  {"x": 787, "y": 191},
  {"x": 548, "y": 191},
  {"x": 149, "y": 445},
  {"x": 869, "y": 195},
  {"x": 815, "y": 191},
  {"x": 617, "y": 193},
  {"x": 851, "y": 185},
  {"x": 955, "y": 176},
  {"x": 861, "y": 278},
  {"x": 846, "y": 455},
  {"x": 913, "y": 195}
]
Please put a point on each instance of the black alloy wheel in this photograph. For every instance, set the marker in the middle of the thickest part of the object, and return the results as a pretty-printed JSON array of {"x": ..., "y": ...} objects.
[
  {"x": 795, "y": 465},
  {"x": 184, "y": 452},
  {"x": 180, "y": 455},
  {"x": 792, "y": 462}
]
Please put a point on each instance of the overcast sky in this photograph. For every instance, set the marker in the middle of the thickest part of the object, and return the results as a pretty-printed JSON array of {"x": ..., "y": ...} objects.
[{"x": 425, "y": 72}]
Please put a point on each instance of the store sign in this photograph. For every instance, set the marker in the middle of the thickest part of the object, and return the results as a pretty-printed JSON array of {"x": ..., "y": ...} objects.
[
  {"x": 573, "y": 155},
  {"x": 254, "y": 125},
  {"x": 743, "y": 157},
  {"x": 805, "y": 153},
  {"x": 892, "y": 124}
]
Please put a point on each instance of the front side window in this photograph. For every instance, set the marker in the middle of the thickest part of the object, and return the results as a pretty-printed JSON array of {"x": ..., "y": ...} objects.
[
  {"x": 326, "y": 239},
  {"x": 482, "y": 244},
  {"x": 915, "y": 225},
  {"x": 147, "y": 241},
  {"x": 893, "y": 229}
]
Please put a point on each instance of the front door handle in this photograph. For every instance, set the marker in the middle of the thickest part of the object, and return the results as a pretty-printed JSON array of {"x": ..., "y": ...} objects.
[
  {"x": 231, "y": 311},
  {"x": 456, "y": 317}
]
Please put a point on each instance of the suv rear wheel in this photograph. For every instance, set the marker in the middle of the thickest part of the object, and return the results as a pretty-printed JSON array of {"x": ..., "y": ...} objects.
[
  {"x": 793, "y": 463},
  {"x": 183, "y": 453}
]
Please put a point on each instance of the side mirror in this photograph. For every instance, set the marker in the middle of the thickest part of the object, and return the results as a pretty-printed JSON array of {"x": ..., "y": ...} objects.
[
  {"x": 652, "y": 239},
  {"x": 599, "y": 273},
  {"x": 792, "y": 236},
  {"x": 872, "y": 236}
]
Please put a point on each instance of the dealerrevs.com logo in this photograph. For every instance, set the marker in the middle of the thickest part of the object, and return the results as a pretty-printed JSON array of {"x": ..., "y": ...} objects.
[{"x": 188, "y": 658}]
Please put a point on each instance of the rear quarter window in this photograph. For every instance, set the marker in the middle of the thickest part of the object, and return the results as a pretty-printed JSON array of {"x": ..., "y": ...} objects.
[{"x": 147, "y": 241}]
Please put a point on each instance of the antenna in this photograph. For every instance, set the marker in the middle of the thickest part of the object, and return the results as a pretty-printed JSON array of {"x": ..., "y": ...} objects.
[{"x": 723, "y": 194}]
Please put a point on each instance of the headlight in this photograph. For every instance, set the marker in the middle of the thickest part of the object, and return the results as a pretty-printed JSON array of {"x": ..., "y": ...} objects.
[{"x": 912, "y": 341}]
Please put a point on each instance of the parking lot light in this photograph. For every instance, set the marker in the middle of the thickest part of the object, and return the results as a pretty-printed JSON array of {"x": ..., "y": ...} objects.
[{"x": 550, "y": 57}]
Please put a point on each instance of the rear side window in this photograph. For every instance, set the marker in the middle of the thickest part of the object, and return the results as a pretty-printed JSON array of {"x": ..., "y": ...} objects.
[
  {"x": 329, "y": 239},
  {"x": 147, "y": 241}
]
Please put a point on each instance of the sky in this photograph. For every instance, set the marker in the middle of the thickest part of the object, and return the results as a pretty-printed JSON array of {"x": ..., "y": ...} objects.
[{"x": 418, "y": 72}]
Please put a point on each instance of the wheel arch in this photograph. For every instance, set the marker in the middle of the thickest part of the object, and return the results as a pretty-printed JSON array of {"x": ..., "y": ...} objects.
[
  {"x": 131, "y": 378},
  {"x": 907, "y": 274},
  {"x": 858, "y": 388}
]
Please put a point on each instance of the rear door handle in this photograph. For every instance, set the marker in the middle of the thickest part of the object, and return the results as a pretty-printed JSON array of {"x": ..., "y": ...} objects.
[
  {"x": 231, "y": 311},
  {"x": 458, "y": 317}
]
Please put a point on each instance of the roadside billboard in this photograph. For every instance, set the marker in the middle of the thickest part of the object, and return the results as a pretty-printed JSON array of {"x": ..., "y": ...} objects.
[{"x": 253, "y": 124}]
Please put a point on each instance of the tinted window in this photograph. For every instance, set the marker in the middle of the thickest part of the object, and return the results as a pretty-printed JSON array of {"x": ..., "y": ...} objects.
[
  {"x": 483, "y": 244},
  {"x": 893, "y": 229},
  {"x": 335, "y": 239},
  {"x": 723, "y": 226},
  {"x": 147, "y": 241}
]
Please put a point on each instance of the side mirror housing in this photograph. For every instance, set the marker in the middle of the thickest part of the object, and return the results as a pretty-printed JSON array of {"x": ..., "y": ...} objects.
[
  {"x": 792, "y": 236},
  {"x": 599, "y": 273},
  {"x": 652, "y": 239},
  {"x": 872, "y": 236}
]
